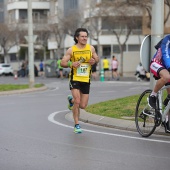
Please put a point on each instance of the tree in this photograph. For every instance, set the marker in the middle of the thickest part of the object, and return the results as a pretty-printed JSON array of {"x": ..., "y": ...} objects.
[
  {"x": 57, "y": 31},
  {"x": 120, "y": 18},
  {"x": 7, "y": 40},
  {"x": 94, "y": 14},
  {"x": 42, "y": 38},
  {"x": 66, "y": 25},
  {"x": 146, "y": 5},
  {"x": 20, "y": 34}
]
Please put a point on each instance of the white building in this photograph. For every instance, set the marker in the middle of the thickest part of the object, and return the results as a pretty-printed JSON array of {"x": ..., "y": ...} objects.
[
  {"x": 17, "y": 19},
  {"x": 46, "y": 12},
  {"x": 108, "y": 41}
]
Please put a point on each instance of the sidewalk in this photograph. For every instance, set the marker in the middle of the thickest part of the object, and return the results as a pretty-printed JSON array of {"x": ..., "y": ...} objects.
[{"x": 111, "y": 122}]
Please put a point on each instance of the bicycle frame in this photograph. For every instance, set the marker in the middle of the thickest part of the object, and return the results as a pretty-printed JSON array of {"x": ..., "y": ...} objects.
[
  {"x": 160, "y": 106},
  {"x": 147, "y": 119}
]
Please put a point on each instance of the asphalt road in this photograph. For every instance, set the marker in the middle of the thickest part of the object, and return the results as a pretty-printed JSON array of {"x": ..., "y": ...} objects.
[{"x": 35, "y": 135}]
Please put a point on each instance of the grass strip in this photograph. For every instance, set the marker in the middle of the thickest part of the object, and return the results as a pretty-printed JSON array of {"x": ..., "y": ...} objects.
[
  {"x": 9, "y": 87},
  {"x": 118, "y": 108}
]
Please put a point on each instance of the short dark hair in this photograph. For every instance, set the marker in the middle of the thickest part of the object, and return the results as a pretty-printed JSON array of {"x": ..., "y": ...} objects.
[{"x": 77, "y": 33}]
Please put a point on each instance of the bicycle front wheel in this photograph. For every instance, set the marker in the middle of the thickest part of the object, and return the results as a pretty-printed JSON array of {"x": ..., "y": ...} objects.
[{"x": 145, "y": 116}]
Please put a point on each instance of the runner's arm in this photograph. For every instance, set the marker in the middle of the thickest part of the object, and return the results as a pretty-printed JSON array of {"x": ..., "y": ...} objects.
[
  {"x": 95, "y": 58},
  {"x": 65, "y": 62}
]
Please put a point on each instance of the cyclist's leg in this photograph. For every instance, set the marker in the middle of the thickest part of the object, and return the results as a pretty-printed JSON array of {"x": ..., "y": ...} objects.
[
  {"x": 168, "y": 123},
  {"x": 163, "y": 76},
  {"x": 165, "y": 122}
]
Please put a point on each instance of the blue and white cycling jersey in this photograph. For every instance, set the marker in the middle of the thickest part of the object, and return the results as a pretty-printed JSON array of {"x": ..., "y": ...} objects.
[
  {"x": 162, "y": 55},
  {"x": 165, "y": 48}
]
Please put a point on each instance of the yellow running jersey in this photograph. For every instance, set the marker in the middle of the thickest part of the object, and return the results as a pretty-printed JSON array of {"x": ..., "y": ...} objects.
[
  {"x": 105, "y": 63},
  {"x": 83, "y": 72}
]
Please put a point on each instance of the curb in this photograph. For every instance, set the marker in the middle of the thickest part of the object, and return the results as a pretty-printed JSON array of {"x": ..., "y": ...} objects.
[
  {"x": 107, "y": 121},
  {"x": 23, "y": 91},
  {"x": 121, "y": 124}
]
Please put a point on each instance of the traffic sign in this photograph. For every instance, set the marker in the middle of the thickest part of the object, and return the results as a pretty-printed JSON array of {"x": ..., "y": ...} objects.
[
  {"x": 145, "y": 52},
  {"x": 34, "y": 38}
]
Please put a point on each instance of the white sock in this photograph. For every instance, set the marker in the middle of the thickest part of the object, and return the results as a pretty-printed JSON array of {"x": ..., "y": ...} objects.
[{"x": 153, "y": 93}]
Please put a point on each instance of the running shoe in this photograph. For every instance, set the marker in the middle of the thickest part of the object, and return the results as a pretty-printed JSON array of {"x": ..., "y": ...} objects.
[
  {"x": 152, "y": 101},
  {"x": 70, "y": 104},
  {"x": 77, "y": 129}
]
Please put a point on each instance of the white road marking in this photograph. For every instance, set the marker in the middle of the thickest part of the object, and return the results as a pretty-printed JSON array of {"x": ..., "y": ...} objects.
[
  {"x": 51, "y": 119},
  {"x": 40, "y": 92},
  {"x": 101, "y": 118},
  {"x": 57, "y": 88}
]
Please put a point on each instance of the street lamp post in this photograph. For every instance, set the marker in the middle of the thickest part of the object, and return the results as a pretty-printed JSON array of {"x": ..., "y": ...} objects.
[
  {"x": 157, "y": 28},
  {"x": 30, "y": 45}
]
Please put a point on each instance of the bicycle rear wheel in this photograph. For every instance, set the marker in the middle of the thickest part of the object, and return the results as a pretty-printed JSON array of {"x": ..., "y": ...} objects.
[{"x": 145, "y": 116}]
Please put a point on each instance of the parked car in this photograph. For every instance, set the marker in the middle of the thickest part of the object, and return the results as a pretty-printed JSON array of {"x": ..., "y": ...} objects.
[{"x": 6, "y": 69}]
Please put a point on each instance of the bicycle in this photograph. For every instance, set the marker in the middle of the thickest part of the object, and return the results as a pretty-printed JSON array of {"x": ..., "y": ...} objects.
[{"x": 148, "y": 119}]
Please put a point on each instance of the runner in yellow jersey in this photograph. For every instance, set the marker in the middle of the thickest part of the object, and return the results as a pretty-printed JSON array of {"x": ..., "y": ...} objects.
[
  {"x": 80, "y": 57},
  {"x": 106, "y": 68}
]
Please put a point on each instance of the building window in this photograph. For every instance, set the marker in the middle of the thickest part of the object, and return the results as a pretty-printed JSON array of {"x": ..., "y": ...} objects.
[
  {"x": 22, "y": 14},
  {"x": 116, "y": 49},
  {"x": 133, "y": 47},
  {"x": 13, "y": 57},
  {"x": 106, "y": 51},
  {"x": 110, "y": 24},
  {"x": 69, "y": 6}
]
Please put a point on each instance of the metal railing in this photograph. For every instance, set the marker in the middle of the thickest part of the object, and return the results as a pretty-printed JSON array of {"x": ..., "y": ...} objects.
[
  {"x": 124, "y": 31},
  {"x": 25, "y": 21},
  {"x": 22, "y": 24}
]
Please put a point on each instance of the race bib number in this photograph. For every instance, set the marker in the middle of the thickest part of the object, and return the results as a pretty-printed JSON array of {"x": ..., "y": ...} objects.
[{"x": 83, "y": 70}]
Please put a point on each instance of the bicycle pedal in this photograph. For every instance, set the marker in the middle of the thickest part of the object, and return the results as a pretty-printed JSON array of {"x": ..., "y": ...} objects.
[
  {"x": 141, "y": 116},
  {"x": 148, "y": 112}
]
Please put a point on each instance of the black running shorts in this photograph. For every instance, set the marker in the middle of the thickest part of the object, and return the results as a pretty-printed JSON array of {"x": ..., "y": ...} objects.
[{"x": 82, "y": 86}]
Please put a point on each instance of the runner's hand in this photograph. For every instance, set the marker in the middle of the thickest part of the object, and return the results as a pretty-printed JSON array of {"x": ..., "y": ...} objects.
[
  {"x": 76, "y": 64},
  {"x": 92, "y": 61}
]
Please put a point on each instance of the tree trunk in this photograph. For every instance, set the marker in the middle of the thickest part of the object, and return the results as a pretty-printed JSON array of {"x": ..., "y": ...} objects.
[
  {"x": 121, "y": 63},
  {"x": 6, "y": 58},
  {"x": 44, "y": 53},
  {"x": 99, "y": 54}
]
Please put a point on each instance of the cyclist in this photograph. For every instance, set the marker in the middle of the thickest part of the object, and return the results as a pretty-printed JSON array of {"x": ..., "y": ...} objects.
[{"x": 160, "y": 67}]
